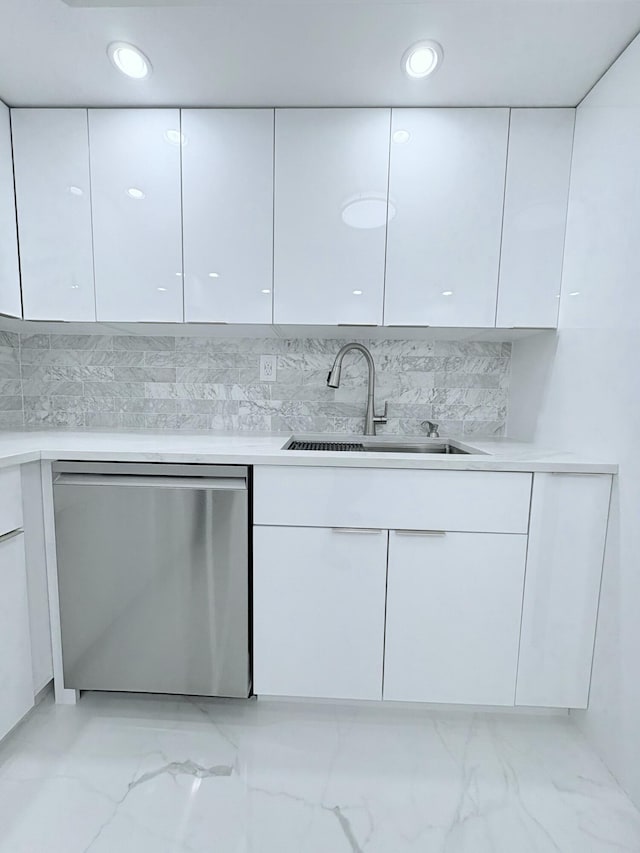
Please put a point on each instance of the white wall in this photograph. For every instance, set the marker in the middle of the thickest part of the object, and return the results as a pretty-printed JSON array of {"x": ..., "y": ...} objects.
[{"x": 582, "y": 388}]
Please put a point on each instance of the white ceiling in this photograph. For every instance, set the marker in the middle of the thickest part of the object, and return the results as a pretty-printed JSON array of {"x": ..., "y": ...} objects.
[{"x": 310, "y": 52}]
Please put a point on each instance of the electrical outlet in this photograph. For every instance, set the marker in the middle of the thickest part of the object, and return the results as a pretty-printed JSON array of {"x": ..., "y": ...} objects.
[{"x": 268, "y": 368}]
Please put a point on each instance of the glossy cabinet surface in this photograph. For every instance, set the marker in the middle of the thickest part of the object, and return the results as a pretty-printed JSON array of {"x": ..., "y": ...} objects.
[
  {"x": 227, "y": 194},
  {"x": 16, "y": 685},
  {"x": 331, "y": 175},
  {"x": 446, "y": 185},
  {"x": 10, "y": 302},
  {"x": 35, "y": 553},
  {"x": 53, "y": 195},
  {"x": 453, "y": 617},
  {"x": 319, "y": 600},
  {"x": 10, "y": 500},
  {"x": 564, "y": 568},
  {"x": 481, "y": 501},
  {"x": 535, "y": 215},
  {"x": 135, "y": 179}
]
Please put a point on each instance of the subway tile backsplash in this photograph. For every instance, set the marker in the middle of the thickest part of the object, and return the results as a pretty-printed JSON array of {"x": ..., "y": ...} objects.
[{"x": 141, "y": 382}]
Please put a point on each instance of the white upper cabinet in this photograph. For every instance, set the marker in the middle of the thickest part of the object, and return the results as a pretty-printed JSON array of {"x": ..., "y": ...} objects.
[
  {"x": 535, "y": 212},
  {"x": 10, "y": 302},
  {"x": 53, "y": 195},
  {"x": 330, "y": 215},
  {"x": 446, "y": 191},
  {"x": 227, "y": 197},
  {"x": 135, "y": 179}
]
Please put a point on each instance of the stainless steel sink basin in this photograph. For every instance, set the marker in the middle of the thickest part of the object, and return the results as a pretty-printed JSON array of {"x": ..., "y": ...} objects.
[{"x": 368, "y": 444}]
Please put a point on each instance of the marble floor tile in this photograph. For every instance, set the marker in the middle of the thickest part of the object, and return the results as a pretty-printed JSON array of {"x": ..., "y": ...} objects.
[{"x": 123, "y": 774}]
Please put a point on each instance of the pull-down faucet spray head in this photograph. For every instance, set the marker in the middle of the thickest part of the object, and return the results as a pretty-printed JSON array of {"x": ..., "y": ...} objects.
[{"x": 333, "y": 379}]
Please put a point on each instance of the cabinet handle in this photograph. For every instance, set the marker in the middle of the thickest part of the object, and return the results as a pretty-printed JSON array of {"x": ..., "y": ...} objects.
[
  {"x": 10, "y": 535},
  {"x": 356, "y": 530},
  {"x": 420, "y": 532}
]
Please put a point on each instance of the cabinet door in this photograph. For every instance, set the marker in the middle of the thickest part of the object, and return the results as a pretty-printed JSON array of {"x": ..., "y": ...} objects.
[
  {"x": 330, "y": 215},
  {"x": 227, "y": 196},
  {"x": 318, "y": 612},
  {"x": 535, "y": 214},
  {"x": 564, "y": 567},
  {"x": 446, "y": 186},
  {"x": 135, "y": 180},
  {"x": 16, "y": 685},
  {"x": 453, "y": 617},
  {"x": 53, "y": 196},
  {"x": 10, "y": 302}
]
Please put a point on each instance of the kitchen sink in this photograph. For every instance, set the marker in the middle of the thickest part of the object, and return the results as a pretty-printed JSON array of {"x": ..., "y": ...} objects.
[{"x": 370, "y": 444}]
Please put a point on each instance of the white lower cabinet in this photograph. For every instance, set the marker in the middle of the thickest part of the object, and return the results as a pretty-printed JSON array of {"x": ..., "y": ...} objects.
[
  {"x": 564, "y": 567},
  {"x": 319, "y": 604},
  {"x": 16, "y": 683},
  {"x": 453, "y": 617}
]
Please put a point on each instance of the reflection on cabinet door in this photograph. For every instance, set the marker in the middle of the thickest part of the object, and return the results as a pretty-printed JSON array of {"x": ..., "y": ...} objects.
[
  {"x": 453, "y": 616},
  {"x": 16, "y": 684},
  {"x": 446, "y": 185},
  {"x": 227, "y": 193},
  {"x": 135, "y": 178},
  {"x": 330, "y": 215},
  {"x": 10, "y": 302},
  {"x": 535, "y": 214},
  {"x": 53, "y": 195},
  {"x": 318, "y": 617}
]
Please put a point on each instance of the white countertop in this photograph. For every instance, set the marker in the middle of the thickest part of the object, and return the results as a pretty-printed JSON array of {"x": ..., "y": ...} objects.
[{"x": 259, "y": 449}]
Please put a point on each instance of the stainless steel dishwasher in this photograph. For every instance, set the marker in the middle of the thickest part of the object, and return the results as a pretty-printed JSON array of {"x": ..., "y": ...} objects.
[{"x": 153, "y": 575}]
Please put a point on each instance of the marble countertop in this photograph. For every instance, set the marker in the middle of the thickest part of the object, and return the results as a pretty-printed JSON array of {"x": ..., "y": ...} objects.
[{"x": 260, "y": 449}]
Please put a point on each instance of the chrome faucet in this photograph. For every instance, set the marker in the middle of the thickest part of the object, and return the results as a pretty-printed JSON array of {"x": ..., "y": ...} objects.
[{"x": 333, "y": 381}]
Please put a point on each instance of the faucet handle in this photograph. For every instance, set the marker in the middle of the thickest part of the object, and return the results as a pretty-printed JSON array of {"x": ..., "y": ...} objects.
[
  {"x": 382, "y": 419},
  {"x": 431, "y": 428}
]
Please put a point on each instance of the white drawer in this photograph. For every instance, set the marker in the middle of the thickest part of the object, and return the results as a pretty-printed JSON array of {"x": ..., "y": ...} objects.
[
  {"x": 10, "y": 500},
  {"x": 468, "y": 501}
]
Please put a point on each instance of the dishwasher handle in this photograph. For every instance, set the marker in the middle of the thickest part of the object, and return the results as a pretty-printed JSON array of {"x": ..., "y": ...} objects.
[{"x": 225, "y": 484}]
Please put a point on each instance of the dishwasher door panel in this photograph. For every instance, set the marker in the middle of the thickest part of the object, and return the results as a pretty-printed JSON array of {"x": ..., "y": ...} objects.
[{"x": 153, "y": 588}]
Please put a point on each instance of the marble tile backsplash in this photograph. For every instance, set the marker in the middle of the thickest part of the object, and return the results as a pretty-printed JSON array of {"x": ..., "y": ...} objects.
[{"x": 185, "y": 382}]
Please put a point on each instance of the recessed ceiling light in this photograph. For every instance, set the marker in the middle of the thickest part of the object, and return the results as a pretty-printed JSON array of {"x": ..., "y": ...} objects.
[
  {"x": 575, "y": 293},
  {"x": 174, "y": 137},
  {"x": 401, "y": 136},
  {"x": 214, "y": 275},
  {"x": 447, "y": 292},
  {"x": 134, "y": 192},
  {"x": 75, "y": 287},
  {"x": 129, "y": 59},
  {"x": 179, "y": 273},
  {"x": 162, "y": 290},
  {"x": 266, "y": 290},
  {"x": 75, "y": 190},
  {"x": 357, "y": 293},
  {"x": 422, "y": 59}
]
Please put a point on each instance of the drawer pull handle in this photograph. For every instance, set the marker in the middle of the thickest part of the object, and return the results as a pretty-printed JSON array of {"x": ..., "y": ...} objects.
[
  {"x": 356, "y": 530},
  {"x": 421, "y": 532},
  {"x": 11, "y": 535}
]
